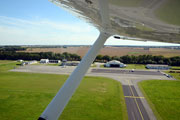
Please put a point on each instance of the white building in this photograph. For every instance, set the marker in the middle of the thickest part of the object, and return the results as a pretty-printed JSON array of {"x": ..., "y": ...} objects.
[
  {"x": 156, "y": 66},
  {"x": 114, "y": 63},
  {"x": 44, "y": 61}
]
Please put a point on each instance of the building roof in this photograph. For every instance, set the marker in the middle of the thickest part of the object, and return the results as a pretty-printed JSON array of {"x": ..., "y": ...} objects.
[
  {"x": 155, "y": 65},
  {"x": 114, "y": 62}
]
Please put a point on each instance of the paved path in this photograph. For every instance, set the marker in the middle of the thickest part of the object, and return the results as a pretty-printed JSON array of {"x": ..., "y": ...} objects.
[{"x": 137, "y": 106}]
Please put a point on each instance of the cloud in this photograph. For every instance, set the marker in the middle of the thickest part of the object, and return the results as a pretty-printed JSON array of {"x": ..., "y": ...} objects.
[
  {"x": 71, "y": 27},
  {"x": 16, "y": 31},
  {"x": 20, "y": 31}
]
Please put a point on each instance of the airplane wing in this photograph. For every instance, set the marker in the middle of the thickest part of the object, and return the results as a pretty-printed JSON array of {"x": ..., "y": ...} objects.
[{"x": 131, "y": 18}]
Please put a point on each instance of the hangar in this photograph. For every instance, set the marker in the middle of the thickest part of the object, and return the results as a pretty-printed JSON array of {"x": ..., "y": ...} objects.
[{"x": 114, "y": 63}]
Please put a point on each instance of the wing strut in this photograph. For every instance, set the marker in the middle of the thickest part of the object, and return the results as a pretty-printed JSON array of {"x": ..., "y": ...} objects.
[
  {"x": 57, "y": 105},
  {"x": 55, "y": 108}
]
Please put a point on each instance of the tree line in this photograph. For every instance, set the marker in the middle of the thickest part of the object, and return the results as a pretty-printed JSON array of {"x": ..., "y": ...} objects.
[
  {"x": 12, "y": 48},
  {"x": 11, "y": 55},
  {"x": 141, "y": 59}
]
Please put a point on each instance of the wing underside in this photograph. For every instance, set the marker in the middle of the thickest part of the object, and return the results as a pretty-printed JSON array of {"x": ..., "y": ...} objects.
[{"x": 131, "y": 18}]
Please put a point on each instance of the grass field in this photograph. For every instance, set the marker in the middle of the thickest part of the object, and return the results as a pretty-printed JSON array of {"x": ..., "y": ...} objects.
[
  {"x": 6, "y": 65},
  {"x": 169, "y": 12},
  {"x": 175, "y": 75},
  {"x": 48, "y": 64},
  {"x": 135, "y": 66},
  {"x": 24, "y": 96},
  {"x": 175, "y": 68},
  {"x": 163, "y": 97}
]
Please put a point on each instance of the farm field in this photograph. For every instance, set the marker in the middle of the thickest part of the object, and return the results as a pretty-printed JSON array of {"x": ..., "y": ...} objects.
[
  {"x": 169, "y": 12},
  {"x": 163, "y": 97},
  {"x": 111, "y": 51},
  {"x": 24, "y": 96}
]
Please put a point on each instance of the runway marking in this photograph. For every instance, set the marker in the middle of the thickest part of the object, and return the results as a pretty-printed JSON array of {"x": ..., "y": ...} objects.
[
  {"x": 135, "y": 100},
  {"x": 134, "y": 97}
]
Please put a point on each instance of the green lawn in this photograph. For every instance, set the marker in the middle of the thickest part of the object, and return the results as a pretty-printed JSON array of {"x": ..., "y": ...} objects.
[
  {"x": 175, "y": 68},
  {"x": 176, "y": 75},
  {"x": 7, "y": 65},
  {"x": 6, "y": 61},
  {"x": 24, "y": 96},
  {"x": 96, "y": 99},
  {"x": 163, "y": 97},
  {"x": 48, "y": 64},
  {"x": 175, "y": 72},
  {"x": 56, "y": 64},
  {"x": 169, "y": 12},
  {"x": 135, "y": 66}
]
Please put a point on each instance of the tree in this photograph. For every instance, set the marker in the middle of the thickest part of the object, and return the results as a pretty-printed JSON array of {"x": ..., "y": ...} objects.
[
  {"x": 99, "y": 58},
  {"x": 115, "y": 58},
  {"x": 106, "y": 58}
]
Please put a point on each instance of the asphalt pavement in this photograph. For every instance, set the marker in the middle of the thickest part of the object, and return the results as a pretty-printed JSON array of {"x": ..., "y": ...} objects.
[
  {"x": 135, "y": 108},
  {"x": 135, "y": 72}
]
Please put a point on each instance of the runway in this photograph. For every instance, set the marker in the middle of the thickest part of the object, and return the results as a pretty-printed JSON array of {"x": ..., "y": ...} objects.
[{"x": 135, "y": 108}]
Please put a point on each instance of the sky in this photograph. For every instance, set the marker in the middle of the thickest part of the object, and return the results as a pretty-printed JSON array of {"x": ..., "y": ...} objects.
[{"x": 40, "y": 22}]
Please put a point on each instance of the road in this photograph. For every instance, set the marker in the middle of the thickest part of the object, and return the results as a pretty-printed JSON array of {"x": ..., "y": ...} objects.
[{"x": 137, "y": 106}]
